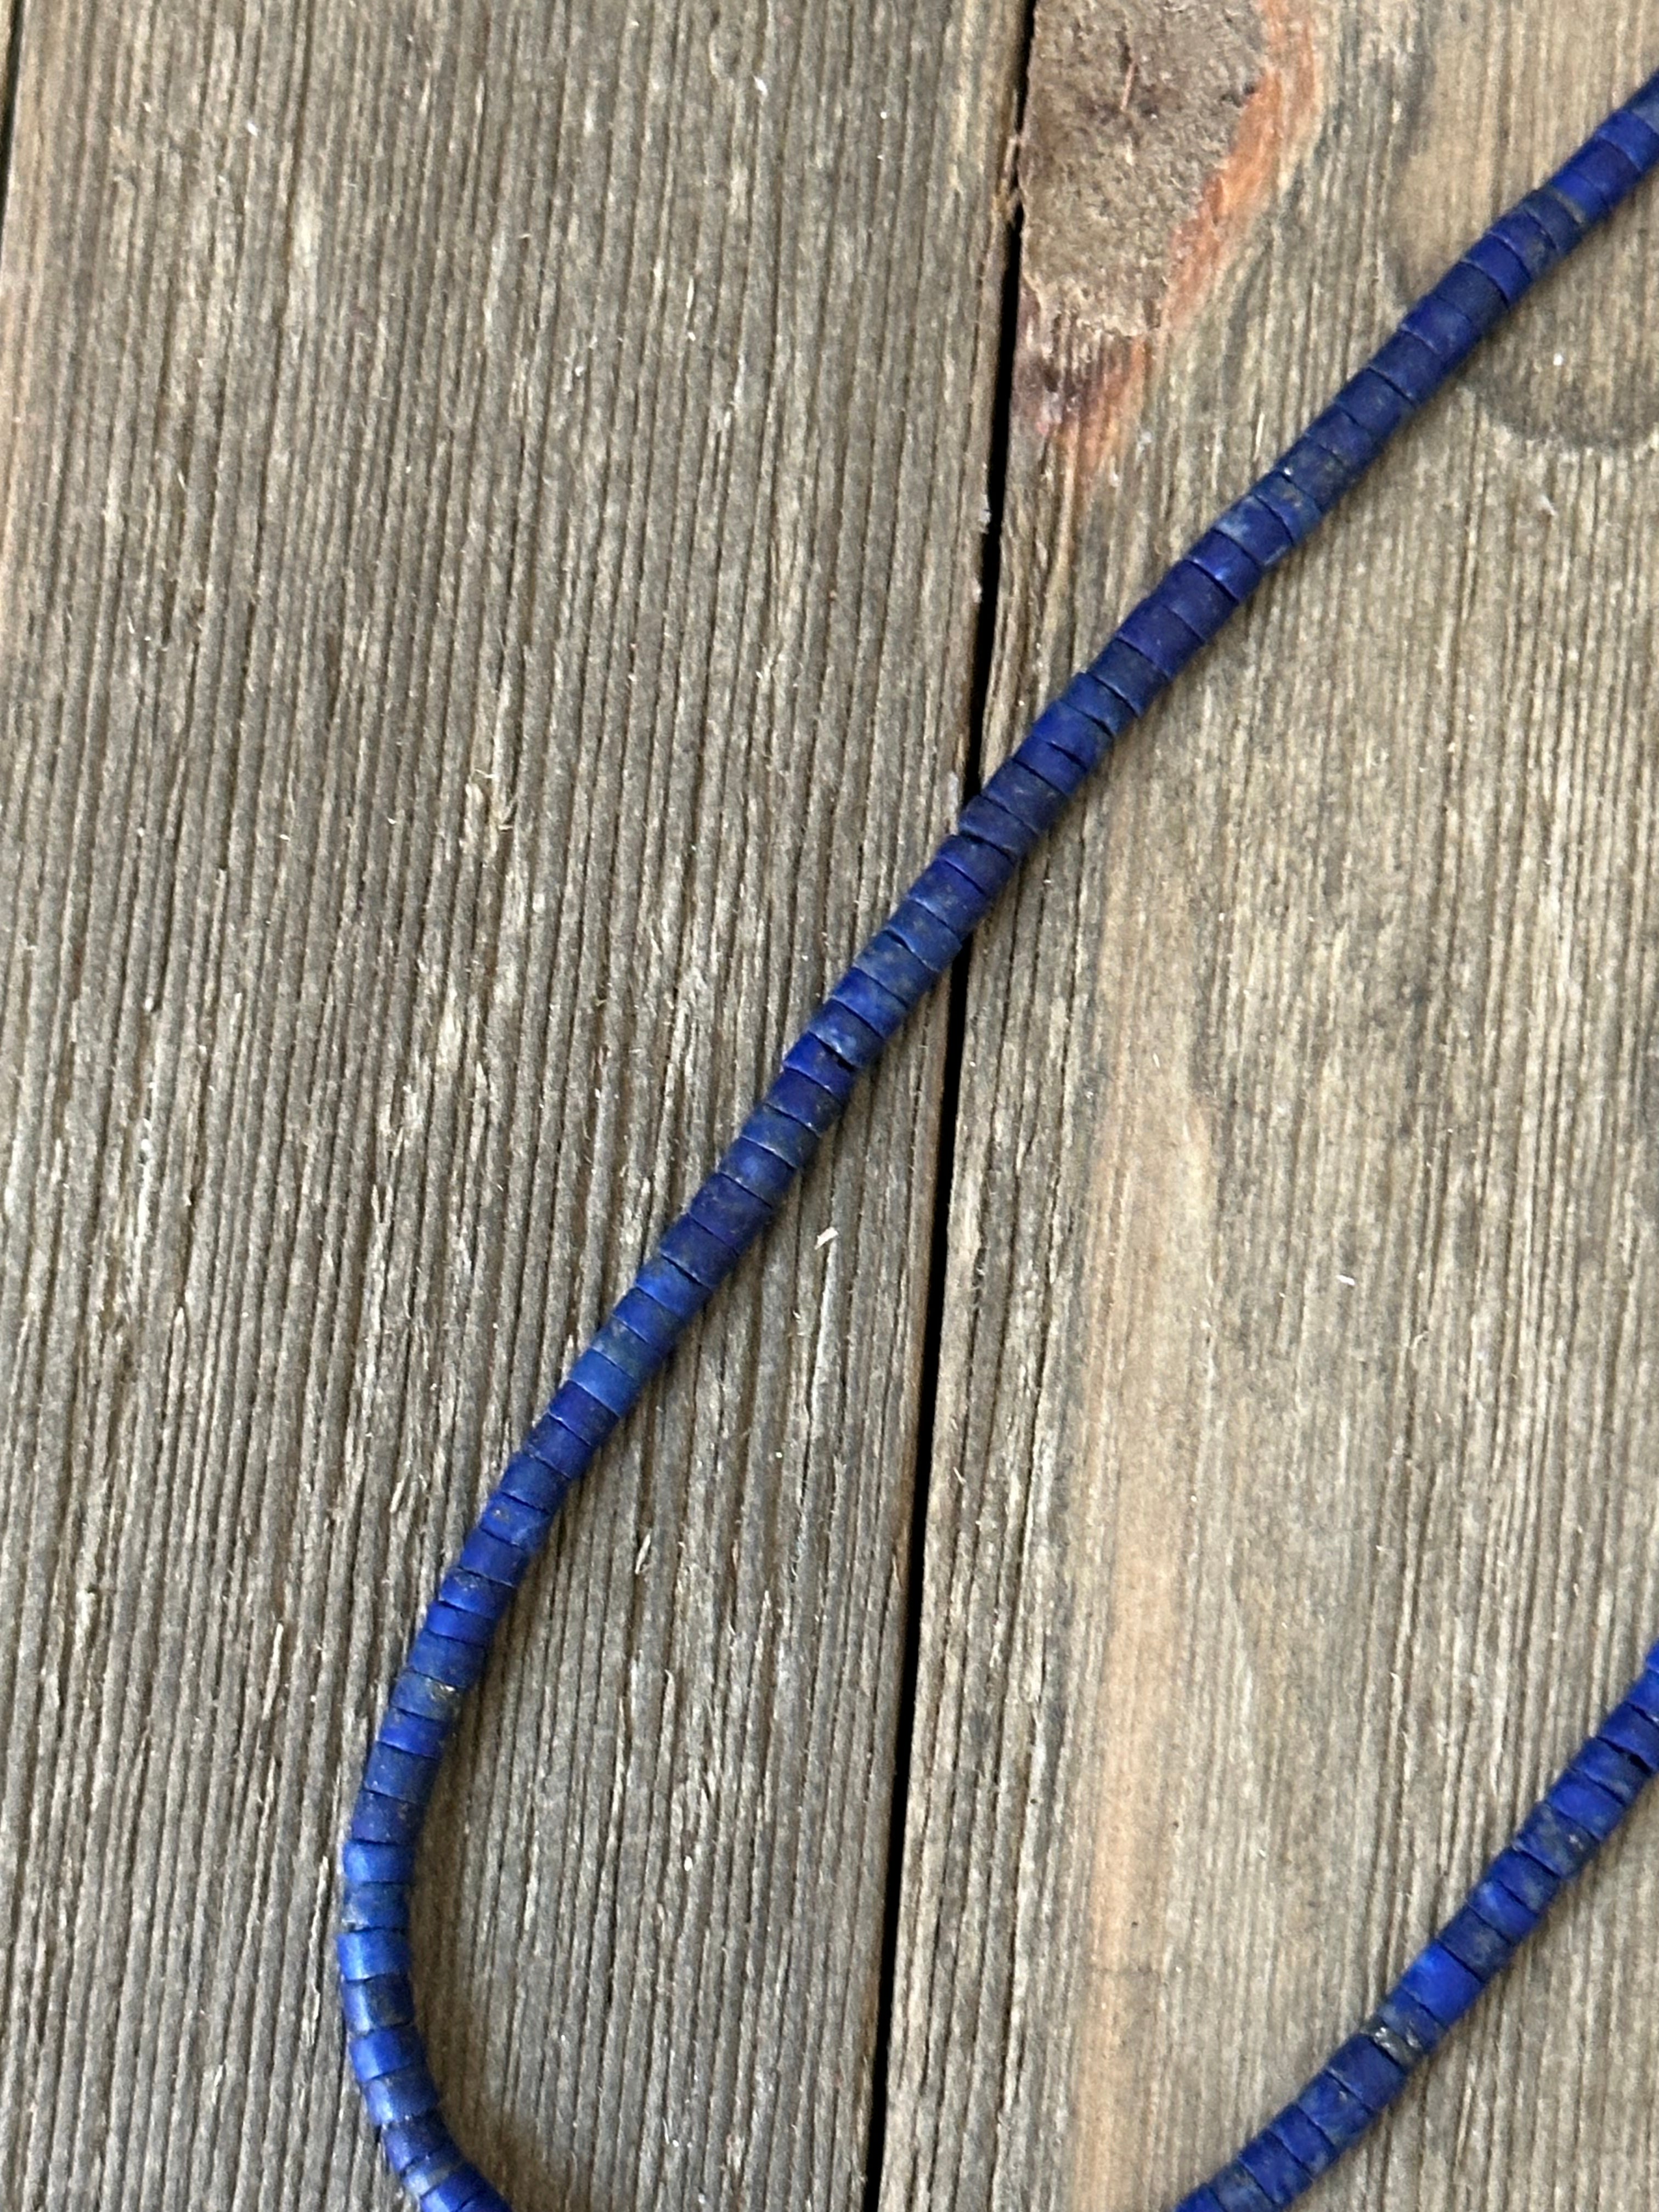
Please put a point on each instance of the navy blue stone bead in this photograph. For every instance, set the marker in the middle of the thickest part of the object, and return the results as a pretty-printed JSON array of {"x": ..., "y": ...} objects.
[
  {"x": 1596, "y": 179},
  {"x": 413, "y": 1731},
  {"x": 378, "y": 1863},
  {"x": 384, "y": 2051},
  {"x": 1561, "y": 222},
  {"x": 692, "y": 1246},
  {"x": 892, "y": 963},
  {"x": 1228, "y": 563},
  {"x": 414, "y": 1692},
  {"x": 636, "y": 1355},
  {"x": 1300, "y": 515},
  {"x": 1028, "y": 798},
  {"x": 1309, "y": 2145},
  {"x": 758, "y": 1170},
  {"x": 954, "y": 899},
  {"x": 1280, "y": 2177},
  {"x": 1475, "y": 1941},
  {"x": 1502, "y": 265},
  {"x": 1407, "y": 364},
  {"x": 1446, "y": 331},
  {"x": 1082, "y": 737},
  {"x": 648, "y": 1319},
  {"x": 421, "y": 2178},
  {"x": 1413, "y": 2023},
  {"x": 846, "y": 1033},
  {"x": 1121, "y": 668},
  {"x": 1442, "y": 1984},
  {"x": 553, "y": 1457},
  {"x": 1556, "y": 1841},
  {"x": 879, "y": 1010},
  {"x": 1259, "y": 529},
  {"x": 1639, "y": 141},
  {"x": 369, "y": 1953},
  {"x": 1200, "y": 2200},
  {"x": 1377, "y": 406},
  {"x": 1363, "y": 2067},
  {"x": 406, "y": 2142},
  {"x": 380, "y": 2001},
  {"x": 729, "y": 1211},
  {"x": 1320, "y": 475},
  {"x": 1590, "y": 1807},
  {"x": 1501, "y": 1909},
  {"x": 1528, "y": 240},
  {"x": 1155, "y": 631},
  {"x": 1097, "y": 702},
  {"x": 374, "y": 1905},
  {"x": 920, "y": 929},
  {"x": 406, "y": 2095},
  {"x": 1613, "y": 1770},
  {"x": 454, "y": 1620},
  {"x": 1339, "y": 433},
  {"x": 1056, "y": 769},
  {"x": 558, "y": 1447},
  {"x": 524, "y": 1527},
  {"x": 1633, "y": 1733},
  {"x": 1527, "y": 1879},
  {"x": 982, "y": 817},
  {"x": 580, "y": 1411},
  {"x": 810, "y": 1057},
  {"x": 487, "y": 2200},
  {"x": 1197, "y": 598},
  {"x": 534, "y": 1484},
  {"x": 379, "y": 1820},
  {"x": 660, "y": 1278},
  {"x": 1645, "y": 103},
  {"x": 1237, "y": 2191},
  {"x": 1334, "y": 2109},
  {"x": 986, "y": 865},
  {"x": 1478, "y": 299},
  {"x": 484, "y": 1554},
  {"x": 446, "y": 1660},
  {"x": 459, "y": 2192},
  {"x": 804, "y": 1100}
]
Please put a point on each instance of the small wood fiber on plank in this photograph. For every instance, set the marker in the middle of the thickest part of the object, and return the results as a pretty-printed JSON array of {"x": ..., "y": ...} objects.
[
  {"x": 1291, "y": 1510},
  {"x": 490, "y": 505}
]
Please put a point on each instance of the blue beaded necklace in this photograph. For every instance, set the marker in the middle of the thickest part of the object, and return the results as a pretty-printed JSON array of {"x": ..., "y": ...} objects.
[{"x": 894, "y": 972}]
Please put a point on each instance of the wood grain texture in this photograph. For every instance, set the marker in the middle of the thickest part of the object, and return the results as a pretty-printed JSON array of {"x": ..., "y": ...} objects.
[
  {"x": 1292, "y": 1511},
  {"x": 490, "y": 504}
]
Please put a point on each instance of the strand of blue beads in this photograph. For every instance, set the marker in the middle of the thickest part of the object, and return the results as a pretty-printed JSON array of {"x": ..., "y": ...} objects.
[
  {"x": 899, "y": 966},
  {"x": 1557, "y": 1839}
]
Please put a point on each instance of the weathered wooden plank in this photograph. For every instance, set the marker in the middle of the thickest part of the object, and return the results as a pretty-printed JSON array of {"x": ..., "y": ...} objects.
[
  {"x": 489, "y": 517},
  {"x": 1292, "y": 1511}
]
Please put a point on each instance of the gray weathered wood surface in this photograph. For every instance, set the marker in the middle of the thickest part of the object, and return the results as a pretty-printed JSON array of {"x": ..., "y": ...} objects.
[
  {"x": 1292, "y": 1509},
  {"x": 490, "y": 512}
]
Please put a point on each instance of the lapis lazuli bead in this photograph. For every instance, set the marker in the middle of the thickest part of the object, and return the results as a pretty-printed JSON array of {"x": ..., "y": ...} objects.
[
  {"x": 1237, "y": 2191},
  {"x": 1441, "y": 1984},
  {"x": 1369, "y": 2072},
  {"x": 1127, "y": 671},
  {"x": 1307, "y": 2144},
  {"x": 1280, "y": 2177},
  {"x": 1498, "y": 262},
  {"x": 1334, "y": 2109},
  {"x": 377, "y": 2001},
  {"x": 378, "y": 1863}
]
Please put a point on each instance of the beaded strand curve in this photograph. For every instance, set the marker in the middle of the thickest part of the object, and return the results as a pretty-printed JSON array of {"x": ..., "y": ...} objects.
[{"x": 996, "y": 831}]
